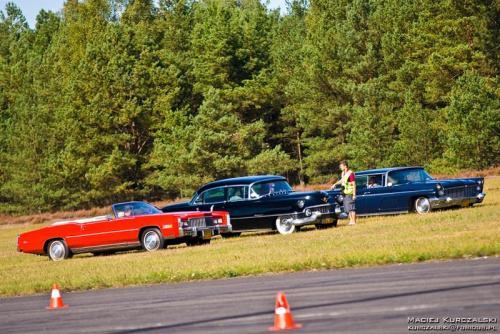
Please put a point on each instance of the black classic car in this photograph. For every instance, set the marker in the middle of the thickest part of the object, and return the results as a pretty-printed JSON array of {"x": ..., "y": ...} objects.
[
  {"x": 264, "y": 202},
  {"x": 411, "y": 189}
]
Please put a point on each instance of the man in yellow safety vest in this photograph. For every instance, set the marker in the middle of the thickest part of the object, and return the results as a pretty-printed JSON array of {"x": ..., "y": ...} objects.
[{"x": 348, "y": 182}]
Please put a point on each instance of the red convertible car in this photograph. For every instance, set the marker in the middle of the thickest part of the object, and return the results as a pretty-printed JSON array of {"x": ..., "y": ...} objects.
[{"x": 133, "y": 225}]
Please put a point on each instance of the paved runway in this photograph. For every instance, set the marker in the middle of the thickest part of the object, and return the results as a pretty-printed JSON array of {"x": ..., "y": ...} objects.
[{"x": 386, "y": 299}]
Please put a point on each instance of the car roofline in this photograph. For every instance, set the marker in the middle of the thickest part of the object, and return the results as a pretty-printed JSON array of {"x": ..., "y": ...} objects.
[
  {"x": 240, "y": 181},
  {"x": 386, "y": 170}
]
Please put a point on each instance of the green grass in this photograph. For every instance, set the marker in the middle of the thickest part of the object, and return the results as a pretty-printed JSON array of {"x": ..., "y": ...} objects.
[{"x": 450, "y": 234}]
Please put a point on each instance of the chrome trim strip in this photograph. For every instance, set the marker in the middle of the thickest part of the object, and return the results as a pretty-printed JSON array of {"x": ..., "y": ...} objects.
[
  {"x": 126, "y": 245},
  {"x": 228, "y": 227},
  {"x": 265, "y": 216},
  {"x": 262, "y": 216},
  {"x": 397, "y": 193}
]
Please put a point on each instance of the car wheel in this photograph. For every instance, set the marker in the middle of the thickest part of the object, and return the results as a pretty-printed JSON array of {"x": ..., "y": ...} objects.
[
  {"x": 422, "y": 205},
  {"x": 284, "y": 225},
  {"x": 152, "y": 240},
  {"x": 58, "y": 250}
]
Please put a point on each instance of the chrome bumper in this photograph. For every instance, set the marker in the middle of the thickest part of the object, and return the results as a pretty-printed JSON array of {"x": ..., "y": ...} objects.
[
  {"x": 302, "y": 219},
  {"x": 445, "y": 202},
  {"x": 201, "y": 231}
]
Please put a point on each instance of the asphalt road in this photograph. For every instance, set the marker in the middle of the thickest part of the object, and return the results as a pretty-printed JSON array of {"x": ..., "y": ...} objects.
[{"x": 382, "y": 299}]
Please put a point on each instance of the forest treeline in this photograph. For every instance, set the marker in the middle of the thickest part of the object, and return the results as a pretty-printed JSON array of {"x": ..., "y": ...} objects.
[{"x": 112, "y": 100}]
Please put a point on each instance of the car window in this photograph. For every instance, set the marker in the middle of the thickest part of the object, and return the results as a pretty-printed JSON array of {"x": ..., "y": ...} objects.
[
  {"x": 237, "y": 193},
  {"x": 269, "y": 188},
  {"x": 124, "y": 210},
  {"x": 375, "y": 180},
  {"x": 214, "y": 195},
  {"x": 135, "y": 209},
  {"x": 408, "y": 176},
  {"x": 198, "y": 200},
  {"x": 361, "y": 181},
  {"x": 144, "y": 209}
]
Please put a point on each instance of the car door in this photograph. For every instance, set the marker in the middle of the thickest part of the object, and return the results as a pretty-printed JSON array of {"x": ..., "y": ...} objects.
[
  {"x": 399, "y": 192},
  {"x": 245, "y": 211},
  {"x": 239, "y": 207},
  {"x": 368, "y": 199},
  {"x": 108, "y": 232}
]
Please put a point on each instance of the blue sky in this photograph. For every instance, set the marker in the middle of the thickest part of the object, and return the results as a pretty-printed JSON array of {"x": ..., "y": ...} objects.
[{"x": 31, "y": 8}]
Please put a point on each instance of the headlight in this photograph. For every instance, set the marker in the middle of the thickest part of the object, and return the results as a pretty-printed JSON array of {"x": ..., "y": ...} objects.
[
  {"x": 308, "y": 213},
  {"x": 301, "y": 203},
  {"x": 440, "y": 190},
  {"x": 478, "y": 188},
  {"x": 340, "y": 199}
]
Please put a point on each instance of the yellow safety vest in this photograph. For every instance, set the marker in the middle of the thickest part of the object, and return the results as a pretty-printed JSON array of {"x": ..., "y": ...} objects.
[{"x": 348, "y": 186}]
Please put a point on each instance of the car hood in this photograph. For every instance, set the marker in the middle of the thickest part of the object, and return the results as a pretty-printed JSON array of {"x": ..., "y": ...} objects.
[{"x": 456, "y": 182}]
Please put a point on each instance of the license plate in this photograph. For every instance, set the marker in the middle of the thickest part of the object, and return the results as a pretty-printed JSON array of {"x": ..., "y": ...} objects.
[
  {"x": 465, "y": 202},
  {"x": 327, "y": 221},
  {"x": 207, "y": 234}
]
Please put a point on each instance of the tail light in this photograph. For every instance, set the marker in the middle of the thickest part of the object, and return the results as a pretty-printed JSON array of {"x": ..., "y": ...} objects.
[{"x": 183, "y": 223}]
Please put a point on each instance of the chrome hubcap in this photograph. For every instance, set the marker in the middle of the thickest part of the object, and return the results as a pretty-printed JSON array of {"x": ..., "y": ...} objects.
[
  {"x": 285, "y": 225},
  {"x": 423, "y": 205},
  {"x": 57, "y": 251},
  {"x": 151, "y": 241}
]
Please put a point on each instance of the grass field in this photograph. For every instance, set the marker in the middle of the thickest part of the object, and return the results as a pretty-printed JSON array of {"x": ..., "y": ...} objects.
[{"x": 449, "y": 234}]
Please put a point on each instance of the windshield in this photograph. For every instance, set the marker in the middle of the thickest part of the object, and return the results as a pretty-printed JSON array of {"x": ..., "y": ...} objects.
[
  {"x": 269, "y": 188},
  {"x": 408, "y": 176},
  {"x": 134, "y": 209}
]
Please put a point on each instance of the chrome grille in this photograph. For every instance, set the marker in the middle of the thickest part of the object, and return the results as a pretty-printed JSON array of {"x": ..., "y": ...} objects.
[
  {"x": 460, "y": 192},
  {"x": 200, "y": 222},
  {"x": 322, "y": 208}
]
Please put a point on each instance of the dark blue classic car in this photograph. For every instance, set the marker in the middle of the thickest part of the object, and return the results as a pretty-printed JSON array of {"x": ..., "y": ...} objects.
[
  {"x": 263, "y": 202},
  {"x": 411, "y": 189}
]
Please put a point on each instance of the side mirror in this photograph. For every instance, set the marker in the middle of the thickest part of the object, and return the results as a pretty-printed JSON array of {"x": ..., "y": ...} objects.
[{"x": 108, "y": 216}]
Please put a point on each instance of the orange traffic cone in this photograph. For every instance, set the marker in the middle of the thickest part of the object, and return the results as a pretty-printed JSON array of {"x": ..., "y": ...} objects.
[
  {"x": 282, "y": 316},
  {"x": 56, "y": 300}
]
